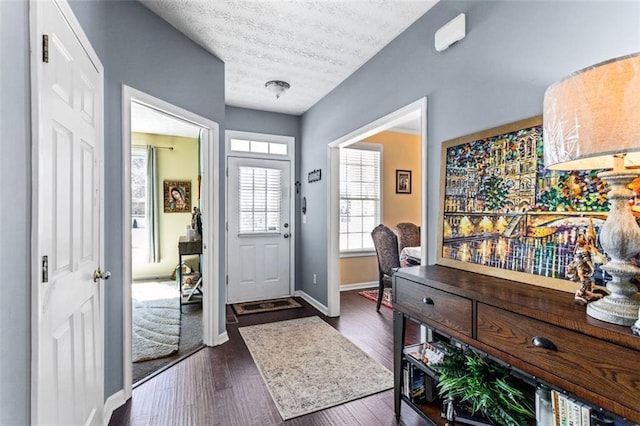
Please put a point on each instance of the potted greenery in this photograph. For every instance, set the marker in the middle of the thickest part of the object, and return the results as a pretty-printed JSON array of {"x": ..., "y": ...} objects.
[{"x": 483, "y": 387}]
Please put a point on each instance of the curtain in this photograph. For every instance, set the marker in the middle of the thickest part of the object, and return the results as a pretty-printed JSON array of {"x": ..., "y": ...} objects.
[{"x": 153, "y": 202}]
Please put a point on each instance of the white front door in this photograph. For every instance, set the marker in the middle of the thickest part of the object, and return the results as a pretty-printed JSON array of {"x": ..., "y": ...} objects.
[
  {"x": 259, "y": 230},
  {"x": 67, "y": 375}
]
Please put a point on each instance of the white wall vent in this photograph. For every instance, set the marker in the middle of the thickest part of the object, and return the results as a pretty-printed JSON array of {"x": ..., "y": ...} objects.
[{"x": 451, "y": 32}]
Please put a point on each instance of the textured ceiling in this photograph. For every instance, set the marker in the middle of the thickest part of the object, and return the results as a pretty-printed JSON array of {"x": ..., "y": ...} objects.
[
  {"x": 312, "y": 44},
  {"x": 149, "y": 120}
]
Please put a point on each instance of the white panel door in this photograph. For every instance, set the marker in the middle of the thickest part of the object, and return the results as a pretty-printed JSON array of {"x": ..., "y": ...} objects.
[
  {"x": 68, "y": 339},
  {"x": 258, "y": 229}
]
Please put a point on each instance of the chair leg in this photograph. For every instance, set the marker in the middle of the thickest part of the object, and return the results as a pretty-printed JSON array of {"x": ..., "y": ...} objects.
[{"x": 380, "y": 291}]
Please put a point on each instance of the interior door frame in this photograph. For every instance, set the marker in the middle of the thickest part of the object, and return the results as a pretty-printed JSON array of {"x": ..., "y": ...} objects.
[
  {"x": 291, "y": 157},
  {"x": 418, "y": 107},
  {"x": 210, "y": 204},
  {"x": 36, "y": 133}
]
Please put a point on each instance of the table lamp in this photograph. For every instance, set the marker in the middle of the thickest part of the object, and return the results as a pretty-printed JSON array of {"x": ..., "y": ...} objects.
[{"x": 592, "y": 121}]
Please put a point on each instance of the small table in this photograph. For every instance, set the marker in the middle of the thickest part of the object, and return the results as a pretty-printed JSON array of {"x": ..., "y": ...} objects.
[
  {"x": 410, "y": 256},
  {"x": 185, "y": 248}
]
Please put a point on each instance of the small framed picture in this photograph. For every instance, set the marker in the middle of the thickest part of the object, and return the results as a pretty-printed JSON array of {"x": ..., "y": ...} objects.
[
  {"x": 177, "y": 196},
  {"x": 403, "y": 181}
]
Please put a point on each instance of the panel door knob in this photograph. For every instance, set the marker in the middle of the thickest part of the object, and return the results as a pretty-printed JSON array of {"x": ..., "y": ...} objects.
[{"x": 100, "y": 275}]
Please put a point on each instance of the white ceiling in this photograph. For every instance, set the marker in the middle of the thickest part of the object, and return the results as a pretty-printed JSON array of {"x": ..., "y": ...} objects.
[
  {"x": 313, "y": 45},
  {"x": 149, "y": 120}
]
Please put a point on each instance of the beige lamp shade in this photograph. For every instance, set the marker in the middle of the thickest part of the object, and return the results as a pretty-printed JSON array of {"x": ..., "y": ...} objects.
[{"x": 593, "y": 114}]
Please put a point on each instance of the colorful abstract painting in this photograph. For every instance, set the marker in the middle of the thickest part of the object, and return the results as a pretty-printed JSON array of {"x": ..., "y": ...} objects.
[{"x": 502, "y": 210}]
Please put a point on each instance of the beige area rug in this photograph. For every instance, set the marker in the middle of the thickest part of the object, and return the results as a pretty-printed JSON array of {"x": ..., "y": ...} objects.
[
  {"x": 309, "y": 366},
  {"x": 156, "y": 328}
]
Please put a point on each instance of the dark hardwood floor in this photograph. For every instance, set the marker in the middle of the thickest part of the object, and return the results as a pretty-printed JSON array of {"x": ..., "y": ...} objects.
[{"x": 222, "y": 386}]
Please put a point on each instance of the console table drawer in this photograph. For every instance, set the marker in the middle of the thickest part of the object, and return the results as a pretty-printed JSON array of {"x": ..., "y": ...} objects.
[
  {"x": 432, "y": 305},
  {"x": 605, "y": 368}
]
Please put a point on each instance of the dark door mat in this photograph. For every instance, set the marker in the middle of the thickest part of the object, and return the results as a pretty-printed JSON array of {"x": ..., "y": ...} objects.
[{"x": 260, "y": 306}]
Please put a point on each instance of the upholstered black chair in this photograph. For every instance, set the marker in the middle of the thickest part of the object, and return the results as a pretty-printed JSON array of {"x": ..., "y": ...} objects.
[
  {"x": 386, "y": 244},
  {"x": 408, "y": 236}
]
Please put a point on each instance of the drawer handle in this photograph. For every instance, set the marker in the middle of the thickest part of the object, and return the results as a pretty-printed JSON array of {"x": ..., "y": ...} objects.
[
  {"x": 427, "y": 301},
  {"x": 541, "y": 342}
]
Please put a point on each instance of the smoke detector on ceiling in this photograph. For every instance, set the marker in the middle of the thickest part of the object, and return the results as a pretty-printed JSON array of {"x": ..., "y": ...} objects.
[{"x": 277, "y": 87}]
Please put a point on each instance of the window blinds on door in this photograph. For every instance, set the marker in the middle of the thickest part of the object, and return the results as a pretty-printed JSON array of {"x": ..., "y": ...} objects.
[{"x": 260, "y": 192}]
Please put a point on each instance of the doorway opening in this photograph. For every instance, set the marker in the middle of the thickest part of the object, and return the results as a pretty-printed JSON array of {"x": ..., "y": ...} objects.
[
  {"x": 165, "y": 205},
  {"x": 170, "y": 252},
  {"x": 386, "y": 131}
]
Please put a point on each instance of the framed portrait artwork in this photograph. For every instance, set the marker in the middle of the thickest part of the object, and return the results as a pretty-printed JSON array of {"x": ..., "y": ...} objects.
[
  {"x": 502, "y": 213},
  {"x": 403, "y": 181},
  {"x": 177, "y": 196}
]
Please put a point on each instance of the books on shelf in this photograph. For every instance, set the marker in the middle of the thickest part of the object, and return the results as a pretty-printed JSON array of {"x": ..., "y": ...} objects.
[
  {"x": 569, "y": 412},
  {"x": 419, "y": 387},
  {"x": 417, "y": 394}
]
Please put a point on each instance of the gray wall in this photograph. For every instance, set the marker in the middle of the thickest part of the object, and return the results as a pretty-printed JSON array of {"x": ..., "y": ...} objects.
[
  {"x": 496, "y": 75},
  {"x": 273, "y": 123},
  {"x": 15, "y": 217}
]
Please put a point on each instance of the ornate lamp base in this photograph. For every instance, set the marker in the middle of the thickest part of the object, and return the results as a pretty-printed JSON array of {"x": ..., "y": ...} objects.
[
  {"x": 620, "y": 239},
  {"x": 622, "y": 311}
]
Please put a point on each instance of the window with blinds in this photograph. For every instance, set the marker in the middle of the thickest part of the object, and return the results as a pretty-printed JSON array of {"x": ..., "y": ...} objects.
[
  {"x": 360, "y": 196},
  {"x": 259, "y": 198}
]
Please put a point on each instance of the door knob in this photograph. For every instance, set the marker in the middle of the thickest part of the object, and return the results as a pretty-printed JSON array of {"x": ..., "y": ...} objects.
[
  {"x": 286, "y": 235},
  {"x": 99, "y": 275}
]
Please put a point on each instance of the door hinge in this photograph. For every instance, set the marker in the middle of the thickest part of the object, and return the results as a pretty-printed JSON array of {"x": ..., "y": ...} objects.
[
  {"x": 45, "y": 48},
  {"x": 226, "y": 172},
  {"x": 226, "y": 226},
  {"x": 227, "y": 279},
  {"x": 45, "y": 269}
]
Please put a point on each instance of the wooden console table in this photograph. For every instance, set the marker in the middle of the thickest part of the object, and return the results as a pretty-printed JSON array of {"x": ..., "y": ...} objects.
[
  {"x": 596, "y": 362},
  {"x": 185, "y": 248}
]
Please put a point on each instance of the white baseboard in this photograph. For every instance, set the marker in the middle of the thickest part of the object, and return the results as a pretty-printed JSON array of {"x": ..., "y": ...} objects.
[
  {"x": 217, "y": 340},
  {"x": 112, "y": 404},
  {"x": 222, "y": 338},
  {"x": 313, "y": 302},
  {"x": 152, "y": 278},
  {"x": 359, "y": 286}
]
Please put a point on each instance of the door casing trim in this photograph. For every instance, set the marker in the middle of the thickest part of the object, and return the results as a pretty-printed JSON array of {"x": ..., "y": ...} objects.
[
  {"x": 291, "y": 157},
  {"x": 210, "y": 204},
  {"x": 333, "y": 185}
]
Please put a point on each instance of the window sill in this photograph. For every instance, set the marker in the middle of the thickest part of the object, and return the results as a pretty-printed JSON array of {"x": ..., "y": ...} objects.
[{"x": 357, "y": 254}]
